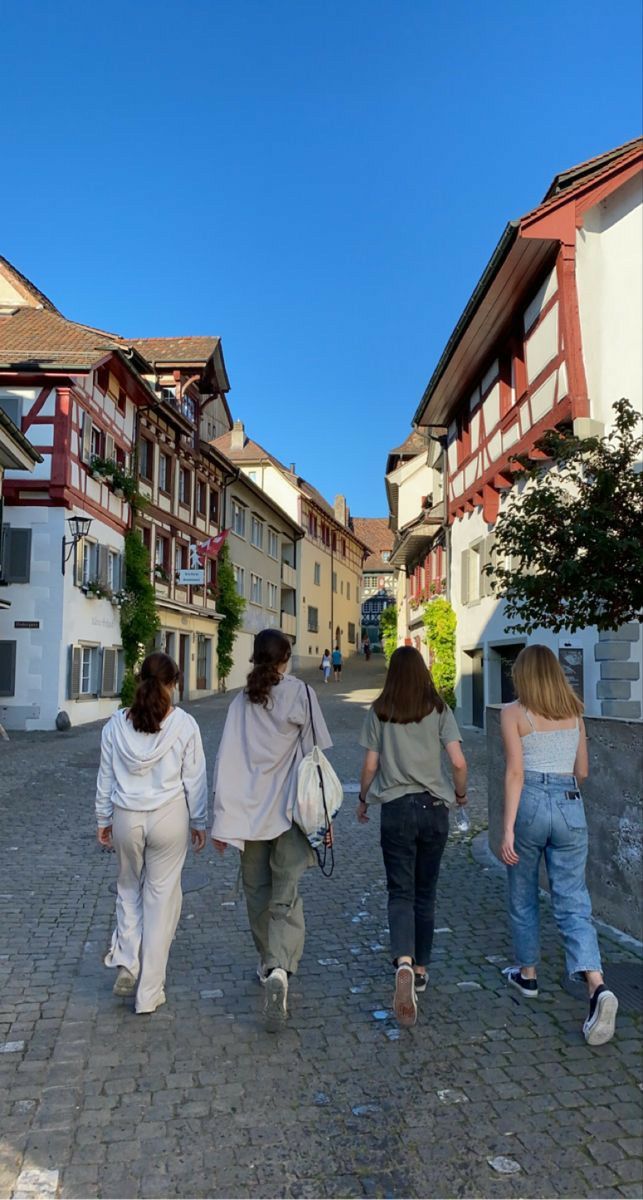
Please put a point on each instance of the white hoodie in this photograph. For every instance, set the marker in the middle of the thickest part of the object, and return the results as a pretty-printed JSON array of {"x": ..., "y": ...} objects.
[{"x": 142, "y": 771}]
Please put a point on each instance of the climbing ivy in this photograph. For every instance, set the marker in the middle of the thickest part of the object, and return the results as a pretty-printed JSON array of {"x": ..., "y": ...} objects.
[
  {"x": 231, "y": 604},
  {"x": 388, "y": 630},
  {"x": 439, "y": 625},
  {"x": 139, "y": 618}
]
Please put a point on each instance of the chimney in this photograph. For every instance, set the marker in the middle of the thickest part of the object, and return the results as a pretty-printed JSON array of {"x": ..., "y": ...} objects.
[
  {"x": 292, "y": 469},
  {"x": 340, "y": 509},
  {"x": 238, "y": 436}
]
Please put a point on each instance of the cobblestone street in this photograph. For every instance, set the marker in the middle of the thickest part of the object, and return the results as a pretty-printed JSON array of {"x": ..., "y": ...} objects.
[{"x": 199, "y": 1101}]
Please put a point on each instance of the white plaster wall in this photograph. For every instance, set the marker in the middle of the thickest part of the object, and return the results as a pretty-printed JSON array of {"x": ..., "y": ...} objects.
[
  {"x": 609, "y": 266},
  {"x": 414, "y": 479}
]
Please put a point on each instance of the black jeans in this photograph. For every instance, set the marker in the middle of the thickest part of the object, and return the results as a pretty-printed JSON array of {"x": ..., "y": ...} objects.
[{"x": 414, "y": 832}]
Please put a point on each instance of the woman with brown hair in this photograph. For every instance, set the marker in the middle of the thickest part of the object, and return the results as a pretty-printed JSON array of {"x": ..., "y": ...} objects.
[
  {"x": 267, "y": 732},
  {"x": 546, "y": 757},
  {"x": 403, "y": 735},
  {"x": 151, "y": 794}
]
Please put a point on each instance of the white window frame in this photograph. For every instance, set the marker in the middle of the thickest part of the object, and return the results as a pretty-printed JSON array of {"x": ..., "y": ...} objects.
[
  {"x": 256, "y": 589},
  {"x": 256, "y": 532},
  {"x": 112, "y": 566},
  {"x": 238, "y": 519},
  {"x": 317, "y": 574},
  {"x": 165, "y": 475},
  {"x": 90, "y": 560},
  {"x": 239, "y": 579},
  {"x": 272, "y": 599},
  {"x": 273, "y": 543}
]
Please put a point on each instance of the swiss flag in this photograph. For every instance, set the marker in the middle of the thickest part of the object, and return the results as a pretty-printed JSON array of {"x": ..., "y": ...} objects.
[{"x": 211, "y": 548}]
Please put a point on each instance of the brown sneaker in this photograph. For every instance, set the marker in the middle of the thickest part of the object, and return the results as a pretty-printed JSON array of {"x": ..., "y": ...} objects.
[{"x": 404, "y": 1002}]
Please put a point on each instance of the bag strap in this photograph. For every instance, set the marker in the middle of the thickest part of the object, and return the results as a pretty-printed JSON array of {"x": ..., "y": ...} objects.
[
  {"x": 329, "y": 826},
  {"x": 310, "y": 710}
]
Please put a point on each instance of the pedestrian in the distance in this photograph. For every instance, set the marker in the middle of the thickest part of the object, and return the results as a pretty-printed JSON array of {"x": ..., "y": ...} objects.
[
  {"x": 403, "y": 735},
  {"x": 266, "y": 735},
  {"x": 366, "y": 646},
  {"x": 546, "y": 761},
  {"x": 326, "y": 665},
  {"x": 151, "y": 796},
  {"x": 337, "y": 663}
]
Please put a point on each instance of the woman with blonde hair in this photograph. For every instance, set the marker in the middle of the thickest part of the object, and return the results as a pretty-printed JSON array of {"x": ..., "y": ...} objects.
[{"x": 546, "y": 760}]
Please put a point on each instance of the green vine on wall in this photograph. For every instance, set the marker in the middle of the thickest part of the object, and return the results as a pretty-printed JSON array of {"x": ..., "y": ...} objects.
[
  {"x": 139, "y": 618},
  {"x": 388, "y": 630},
  {"x": 439, "y": 624},
  {"x": 231, "y": 604}
]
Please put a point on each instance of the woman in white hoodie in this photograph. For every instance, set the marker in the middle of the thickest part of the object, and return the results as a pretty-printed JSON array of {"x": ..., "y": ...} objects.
[{"x": 151, "y": 790}]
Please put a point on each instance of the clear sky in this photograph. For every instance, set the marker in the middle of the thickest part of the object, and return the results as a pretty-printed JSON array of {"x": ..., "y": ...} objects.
[{"x": 319, "y": 183}]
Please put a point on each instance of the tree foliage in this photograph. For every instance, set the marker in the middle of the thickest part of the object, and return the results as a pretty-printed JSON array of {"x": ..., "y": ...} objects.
[
  {"x": 568, "y": 550},
  {"x": 231, "y": 604},
  {"x": 439, "y": 624},
  {"x": 139, "y": 618},
  {"x": 388, "y": 630}
]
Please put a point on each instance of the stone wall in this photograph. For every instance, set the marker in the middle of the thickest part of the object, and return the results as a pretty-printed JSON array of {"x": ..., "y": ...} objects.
[
  {"x": 617, "y": 653},
  {"x": 613, "y": 797}
]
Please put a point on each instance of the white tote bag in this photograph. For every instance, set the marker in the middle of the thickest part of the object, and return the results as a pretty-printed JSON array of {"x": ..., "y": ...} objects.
[{"x": 319, "y": 797}]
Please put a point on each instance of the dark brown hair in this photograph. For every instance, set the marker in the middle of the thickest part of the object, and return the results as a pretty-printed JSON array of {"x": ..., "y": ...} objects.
[
  {"x": 151, "y": 702},
  {"x": 271, "y": 650},
  {"x": 409, "y": 693}
]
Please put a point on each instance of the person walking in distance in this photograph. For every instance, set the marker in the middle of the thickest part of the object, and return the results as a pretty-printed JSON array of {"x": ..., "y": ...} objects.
[
  {"x": 326, "y": 665},
  {"x": 267, "y": 733},
  {"x": 403, "y": 735},
  {"x": 546, "y": 761},
  {"x": 337, "y": 663},
  {"x": 151, "y": 796}
]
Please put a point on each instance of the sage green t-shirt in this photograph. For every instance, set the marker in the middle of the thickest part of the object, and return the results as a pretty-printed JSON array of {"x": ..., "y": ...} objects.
[{"x": 410, "y": 756}]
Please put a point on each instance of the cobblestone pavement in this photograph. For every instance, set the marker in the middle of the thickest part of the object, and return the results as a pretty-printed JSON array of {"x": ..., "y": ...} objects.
[{"x": 198, "y": 1101}]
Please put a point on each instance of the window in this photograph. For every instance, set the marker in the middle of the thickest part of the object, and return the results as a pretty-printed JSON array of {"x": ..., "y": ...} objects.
[
  {"x": 203, "y": 655},
  {"x": 161, "y": 553},
  {"x": 273, "y": 543},
  {"x": 180, "y": 557},
  {"x": 386, "y": 554},
  {"x": 272, "y": 596},
  {"x": 214, "y": 506},
  {"x": 256, "y": 533},
  {"x": 165, "y": 473},
  {"x": 348, "y": 591},
  {"x": 202, "y": 497},
  {"x": 313, "y": 619},
  {"x": 470, "y": 564},
  {"x": 121, "y": 403},
  {"x": 113, "y": 570},
  {"x": 185, "y": 489},
  {"x": 7, "y": 668},
  {"x": 102, "y": 379},
  {"x": 240, "y": 580},
  {"x": 253, "y": 476},
  {"x": 256, "y": 587},
  {"x": 168, "y": 393},
  {"x": 84, "y": 674},
  {"x": 343, "y": 547},
  {"x": 90, "y": 561},
  {"x": 317, "y": 574},
  {"x": 146, "y": 456},
  {"x": 334, "y": 581},
  {"x": 97, "y": 445},
  {"x": 15, "y": 554},
  {"x": 238, "y": 519},
  {"x": 351, "y": 633}
]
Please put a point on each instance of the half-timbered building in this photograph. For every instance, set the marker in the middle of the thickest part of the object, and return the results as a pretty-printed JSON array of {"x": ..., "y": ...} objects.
[{"x": 549, "y": 338}]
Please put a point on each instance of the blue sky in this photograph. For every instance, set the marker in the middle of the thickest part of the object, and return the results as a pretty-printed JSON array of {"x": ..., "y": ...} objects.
[{"x": 319, "y": 183}]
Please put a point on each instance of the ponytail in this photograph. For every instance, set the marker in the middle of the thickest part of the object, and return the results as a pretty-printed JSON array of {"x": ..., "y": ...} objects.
[
  {"x": 151, "y": 703},
  {"x": 271, "y": 651}
]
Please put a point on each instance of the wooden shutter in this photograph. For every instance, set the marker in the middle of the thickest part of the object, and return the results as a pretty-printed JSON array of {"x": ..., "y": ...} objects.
[
  {"x": 7, "y": 668},
  {"x": 75, "y": 659},
  {"x": 108, "y": 680},
  {"x": 16, "y": 555},
  {"x": 86, "y": 438},
  {"x": 110, "y": 452},
  {"x": 464, "y": 577},
  {"x": 101, "y": 565}
]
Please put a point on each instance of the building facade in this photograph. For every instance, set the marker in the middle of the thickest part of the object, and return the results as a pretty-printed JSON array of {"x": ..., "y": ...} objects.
[
  {"x": 550, "y": 338},
  {"x": 328, "y": 570},
  {"x": 378, "y": 573}
]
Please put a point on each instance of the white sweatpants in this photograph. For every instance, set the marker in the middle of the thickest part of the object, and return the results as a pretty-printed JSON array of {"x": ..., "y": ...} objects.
[{"x": 150, "y": 849}]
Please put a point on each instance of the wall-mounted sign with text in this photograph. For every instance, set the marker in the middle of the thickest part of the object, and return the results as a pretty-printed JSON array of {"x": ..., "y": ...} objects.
[
  {"x": 571, "y": 660},
  {"x": 192, "y": 575}
]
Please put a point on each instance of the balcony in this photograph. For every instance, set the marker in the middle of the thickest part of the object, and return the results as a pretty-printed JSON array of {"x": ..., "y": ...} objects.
[
  {"x": 288, "y": 575},
  {"x": 184, "y": 405},
  {"x": 288, "y": 624}
]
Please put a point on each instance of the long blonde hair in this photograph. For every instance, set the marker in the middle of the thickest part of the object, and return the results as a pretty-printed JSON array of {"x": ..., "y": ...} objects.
[{"x": 541, "y": 686}]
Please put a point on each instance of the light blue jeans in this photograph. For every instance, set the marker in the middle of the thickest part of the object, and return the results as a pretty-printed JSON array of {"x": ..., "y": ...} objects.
[{"x": 551, "y": 821}]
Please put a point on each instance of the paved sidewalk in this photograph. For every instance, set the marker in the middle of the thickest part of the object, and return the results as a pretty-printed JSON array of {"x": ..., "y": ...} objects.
[{"x": 198, "y": 1101}]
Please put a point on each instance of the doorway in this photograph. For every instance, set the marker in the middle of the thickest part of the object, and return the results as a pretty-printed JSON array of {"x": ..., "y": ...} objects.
[
  {"x": 184, "y": 665},
  {"x": 508, "y": 656},
  {"x": 477, "y": 689}
]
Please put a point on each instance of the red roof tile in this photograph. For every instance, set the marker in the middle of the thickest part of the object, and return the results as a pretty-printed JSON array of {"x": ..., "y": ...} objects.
[
  {"x": 376, "y": 534},
  {"x": 173, "y": 351}
]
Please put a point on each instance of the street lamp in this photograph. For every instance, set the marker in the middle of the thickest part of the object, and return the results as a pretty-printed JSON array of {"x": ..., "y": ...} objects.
[{"x": 79, "y": 528}]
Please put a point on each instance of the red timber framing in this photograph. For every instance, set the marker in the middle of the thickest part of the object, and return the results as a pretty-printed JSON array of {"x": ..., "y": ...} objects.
[{"x": 490, "y": 470}]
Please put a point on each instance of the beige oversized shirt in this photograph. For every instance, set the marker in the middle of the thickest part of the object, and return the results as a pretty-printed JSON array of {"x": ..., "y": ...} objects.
[{"x": 255, "y": 774}]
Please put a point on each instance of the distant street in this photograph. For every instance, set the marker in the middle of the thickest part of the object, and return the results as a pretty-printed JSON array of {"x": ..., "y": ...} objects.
[{"x": 199, "y": 1101}]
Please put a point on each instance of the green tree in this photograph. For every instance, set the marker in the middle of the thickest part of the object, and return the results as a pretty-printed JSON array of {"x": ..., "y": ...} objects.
[
  {"x": 439, "y": 625},
  {"x": 388, "y": 630},
  {"x": 139, "y": 618},
  {"x": 231, "y": 604},
  {"x": 568, "y": 550}
]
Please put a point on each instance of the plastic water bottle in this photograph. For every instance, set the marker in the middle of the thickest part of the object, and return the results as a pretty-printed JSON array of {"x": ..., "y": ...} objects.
[{"x": 462, "y": 822}]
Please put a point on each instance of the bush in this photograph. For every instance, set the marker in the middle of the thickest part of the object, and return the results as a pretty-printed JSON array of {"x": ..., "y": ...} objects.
[
  {"x": 388, "y": 630},
  {"x": 439, "y": 624},
  {"x": 231, "y": 604}
]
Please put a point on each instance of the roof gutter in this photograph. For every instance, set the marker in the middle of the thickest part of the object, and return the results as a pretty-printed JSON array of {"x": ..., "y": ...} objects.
[{"x": 501, "y": 251}]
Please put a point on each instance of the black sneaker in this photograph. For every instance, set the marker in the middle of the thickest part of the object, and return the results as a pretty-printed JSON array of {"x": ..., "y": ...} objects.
[
  {"x": 599, "y": 1025},
  {"x": 421, "y": 981},
  {"x": 527, "y": 987}
]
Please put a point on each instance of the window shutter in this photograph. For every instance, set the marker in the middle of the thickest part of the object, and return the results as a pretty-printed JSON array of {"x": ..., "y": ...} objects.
[
  {"x": 486, "y": 589},
  {"x": 78, "y": 562},
  {"x": 109, "y": 447},
  {"x": 86, "y": 438},
  {"x": 16, "y": 555},
  {"x": 75, "y": 654},
  {"x": 7, "y": 668},
  {"x": 464, "y": 577},
  {"x": 108, "y": 682},
  {"x": 101, "y": 572},
  {"x": 120, "y": 572}
]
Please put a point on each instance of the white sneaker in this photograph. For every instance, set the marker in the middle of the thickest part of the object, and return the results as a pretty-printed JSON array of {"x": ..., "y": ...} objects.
[
  {"x": 275, "y": 1009},
  {"x": 126, "y": 983},
  {"x": 405, "y": 1004},
  {"x": 262, "y": 972},
  {"x": 600, "y": 1023},
  {"x": 146, "y": 1012}
]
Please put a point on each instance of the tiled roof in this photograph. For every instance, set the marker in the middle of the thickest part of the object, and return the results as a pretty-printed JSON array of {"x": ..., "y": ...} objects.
[
  {"x": 414, "y": 444},
  {"x": 376, "y": 534},
  {"x": 585, "y": 170},
  {"x": 43, "y": 336},
  {"x": 176, "y": 350}
]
